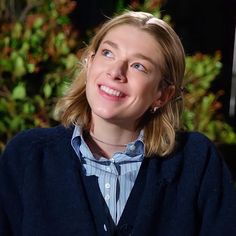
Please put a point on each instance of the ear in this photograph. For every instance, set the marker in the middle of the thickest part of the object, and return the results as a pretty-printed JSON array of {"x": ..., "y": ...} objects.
[
  {"x": 89, "y": 59},
  {"x": 164, "y": 96}
]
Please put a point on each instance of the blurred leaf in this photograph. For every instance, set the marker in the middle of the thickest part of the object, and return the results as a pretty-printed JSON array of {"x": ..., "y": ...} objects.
[
  {"x": 6, "y": 65},
  {"x": 17, "y": 30},
  {"x": 62, "y": 20},
  {"x": 28, "y": 108},
  {"x": 19, "y": 67},
  {"x": 38, "y": 22},
  {"x": 15, "y": 123},
  {"x": 47, "y": 90},
  {"x": 19, "y": 92},
  {"x": 70, "y": 61}
]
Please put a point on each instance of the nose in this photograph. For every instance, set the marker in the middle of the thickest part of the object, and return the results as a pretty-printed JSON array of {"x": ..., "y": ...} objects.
[{"x": 118, "y": 71}]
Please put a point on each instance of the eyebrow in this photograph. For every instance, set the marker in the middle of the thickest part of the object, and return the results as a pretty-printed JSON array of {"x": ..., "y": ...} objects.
[
  {"x": 138, "y": 55},
  {"x": 112, "y": 44}
]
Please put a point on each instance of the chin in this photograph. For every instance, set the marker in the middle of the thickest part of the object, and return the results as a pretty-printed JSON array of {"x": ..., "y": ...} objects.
[{"x": 103, "y": 113}]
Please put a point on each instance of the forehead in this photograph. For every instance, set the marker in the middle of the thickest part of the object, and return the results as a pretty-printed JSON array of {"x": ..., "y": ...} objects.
[{"x": 134, "y": 39}]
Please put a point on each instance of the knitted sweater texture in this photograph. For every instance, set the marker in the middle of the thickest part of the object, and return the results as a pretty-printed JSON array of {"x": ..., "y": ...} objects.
[{"x": 44, "y": 191}]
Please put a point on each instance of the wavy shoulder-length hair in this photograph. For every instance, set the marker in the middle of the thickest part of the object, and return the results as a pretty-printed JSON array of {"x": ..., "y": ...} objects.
[{"x": 159, "y": 127}]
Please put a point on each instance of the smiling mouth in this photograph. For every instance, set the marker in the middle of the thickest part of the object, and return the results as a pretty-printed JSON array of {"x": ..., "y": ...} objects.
[{"x": 111, "y": 91}]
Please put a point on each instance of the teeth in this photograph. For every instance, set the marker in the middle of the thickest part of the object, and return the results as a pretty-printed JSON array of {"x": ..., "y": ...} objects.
[{"x": 110, "y": 91}]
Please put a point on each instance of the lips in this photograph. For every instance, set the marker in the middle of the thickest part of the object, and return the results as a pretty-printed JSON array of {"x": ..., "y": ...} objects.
[{"x": 111, "y": 91}]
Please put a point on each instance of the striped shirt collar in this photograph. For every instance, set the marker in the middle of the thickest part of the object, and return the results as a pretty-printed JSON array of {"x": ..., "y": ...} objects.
[{"x": 133, "y": 149}]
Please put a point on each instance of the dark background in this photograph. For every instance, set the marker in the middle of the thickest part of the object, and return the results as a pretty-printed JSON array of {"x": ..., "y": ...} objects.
[{"x": 203, "y": 26}]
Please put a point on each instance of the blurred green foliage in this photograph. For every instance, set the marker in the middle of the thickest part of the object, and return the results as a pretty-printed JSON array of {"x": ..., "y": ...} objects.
[
  {"x": 36, "y": 60},
  {"x": 202, "y": 105},
  {"x": 40, "y": 50}
]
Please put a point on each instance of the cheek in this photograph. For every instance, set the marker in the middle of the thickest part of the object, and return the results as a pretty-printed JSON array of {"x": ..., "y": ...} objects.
[
  {"x": 150, "y": 95},
  {"x": 148, "y": 91},
  {"x": 94, "y": 71},
  {"x": 90, "y": 71}
]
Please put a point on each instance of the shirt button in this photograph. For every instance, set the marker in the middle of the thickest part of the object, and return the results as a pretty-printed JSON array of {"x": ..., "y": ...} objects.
[
  {"x": 108, "y": 168},
  {"x": 132, "y": 147},
  {"x": 107, "y": 185},
  {"x": 107, "y": 197},
  {"x": 105, "y": 227}
]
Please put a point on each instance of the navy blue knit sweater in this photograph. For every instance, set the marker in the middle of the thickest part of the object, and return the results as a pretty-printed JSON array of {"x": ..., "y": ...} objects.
[{"x": 44, "y": 192}]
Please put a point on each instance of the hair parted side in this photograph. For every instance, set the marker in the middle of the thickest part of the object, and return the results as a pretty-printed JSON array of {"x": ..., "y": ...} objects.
[{"x": 159, "y": 127}]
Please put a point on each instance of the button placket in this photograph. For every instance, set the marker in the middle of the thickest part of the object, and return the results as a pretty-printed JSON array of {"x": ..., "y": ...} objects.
[
  {"x": 105, "y": 227},
  {"x": 107, "y": 197}
]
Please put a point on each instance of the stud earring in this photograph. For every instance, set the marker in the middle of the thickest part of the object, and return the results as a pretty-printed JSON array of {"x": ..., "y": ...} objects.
[{"x": 154, "y": 109}]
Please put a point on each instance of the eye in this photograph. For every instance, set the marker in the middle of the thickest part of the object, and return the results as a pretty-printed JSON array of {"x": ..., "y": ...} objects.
[
  {"x": 139, "y": 67},
  {"x": 107, "y": 53}
]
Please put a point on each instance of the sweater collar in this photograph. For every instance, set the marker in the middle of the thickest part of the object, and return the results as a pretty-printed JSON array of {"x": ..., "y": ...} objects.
[{"x": 166, "y": 168}]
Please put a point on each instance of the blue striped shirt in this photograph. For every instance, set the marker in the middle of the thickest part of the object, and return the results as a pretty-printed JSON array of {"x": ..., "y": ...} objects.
[{"x": 116, "y": 176}]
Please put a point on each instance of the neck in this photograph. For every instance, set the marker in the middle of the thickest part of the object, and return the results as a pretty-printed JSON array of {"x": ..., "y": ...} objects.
[
  {"x": 113, "y": 137},
  {"x": 112, "y": 132},
  {"x": 100, "y": 148},
  {"x": 108, "y": 144},
  {"x": 109, "y": 138}
]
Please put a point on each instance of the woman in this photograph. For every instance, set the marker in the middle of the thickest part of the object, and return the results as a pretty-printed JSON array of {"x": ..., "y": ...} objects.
[{"x": 119, "y": 165}]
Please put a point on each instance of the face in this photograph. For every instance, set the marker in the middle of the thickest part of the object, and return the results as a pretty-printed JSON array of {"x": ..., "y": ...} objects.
[{"x": 123, "y": 76}]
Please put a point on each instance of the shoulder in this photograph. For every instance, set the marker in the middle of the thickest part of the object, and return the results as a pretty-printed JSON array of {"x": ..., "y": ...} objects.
[
  {"x": 198, "y": 154},
  {"x": 194, "y": 142},
  {"x": 29, "y": 149},
  {"x": 190, "y": 157},
  {"x": 196, "y": 149},
  {"x": 193, "y": 153},
  {"x": 33, "y": 140},
  {"x": 193, "y": 137},
  {"x": 40, "y": 135}
]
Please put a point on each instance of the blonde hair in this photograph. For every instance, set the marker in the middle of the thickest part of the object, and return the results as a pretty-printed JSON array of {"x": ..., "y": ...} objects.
[{"x": 159, "y": 128}]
